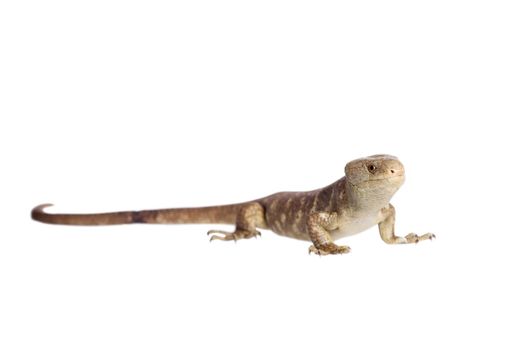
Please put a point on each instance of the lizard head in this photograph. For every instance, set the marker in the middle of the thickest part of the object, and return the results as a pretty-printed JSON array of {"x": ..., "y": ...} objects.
[{"x": 380, "y": 172}]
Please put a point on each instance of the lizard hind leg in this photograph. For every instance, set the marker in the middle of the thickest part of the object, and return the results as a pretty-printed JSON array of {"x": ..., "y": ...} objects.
[{"x": 248, "y": 219}]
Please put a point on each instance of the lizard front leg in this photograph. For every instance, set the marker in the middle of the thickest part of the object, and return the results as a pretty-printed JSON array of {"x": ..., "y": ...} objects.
[
  {"x": 318, "y": 225},
  {"x": 386, "y": 230},
  {"x": 249, "y": 218}
]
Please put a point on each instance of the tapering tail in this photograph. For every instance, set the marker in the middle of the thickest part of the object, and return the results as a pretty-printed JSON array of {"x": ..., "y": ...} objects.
[{"x": 223, "y": 214}]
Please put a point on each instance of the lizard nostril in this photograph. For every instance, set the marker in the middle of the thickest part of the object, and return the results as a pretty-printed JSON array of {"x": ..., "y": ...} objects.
[{"x": 392, "y": 171}]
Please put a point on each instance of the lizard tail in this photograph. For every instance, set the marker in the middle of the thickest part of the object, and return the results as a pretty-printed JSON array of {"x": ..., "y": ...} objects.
[{"x": 224, "y": 214}]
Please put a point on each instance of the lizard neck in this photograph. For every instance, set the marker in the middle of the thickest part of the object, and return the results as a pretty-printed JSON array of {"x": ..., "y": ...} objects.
[{"x": 370, "y": 196}]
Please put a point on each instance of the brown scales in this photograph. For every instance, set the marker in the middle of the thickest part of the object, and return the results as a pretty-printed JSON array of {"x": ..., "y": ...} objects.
[{"x": 350, "y": 205}]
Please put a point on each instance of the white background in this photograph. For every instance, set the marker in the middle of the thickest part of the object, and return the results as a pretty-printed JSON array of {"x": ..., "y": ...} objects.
[{"x": 111, "y": 105}]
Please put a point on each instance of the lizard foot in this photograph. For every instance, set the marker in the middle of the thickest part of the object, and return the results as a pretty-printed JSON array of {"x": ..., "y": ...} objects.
[
  {"x": 413, "y": 238},
  {"x": 232, "y": 236},
  {"x": 329, "y": 248}
]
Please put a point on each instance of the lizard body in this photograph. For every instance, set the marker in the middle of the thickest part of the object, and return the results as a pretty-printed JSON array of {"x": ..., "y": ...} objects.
[{"x": 354, "y": 203}]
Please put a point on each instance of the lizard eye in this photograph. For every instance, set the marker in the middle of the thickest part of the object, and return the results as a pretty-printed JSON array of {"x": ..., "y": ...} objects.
[{"x": 372, "y": 168}]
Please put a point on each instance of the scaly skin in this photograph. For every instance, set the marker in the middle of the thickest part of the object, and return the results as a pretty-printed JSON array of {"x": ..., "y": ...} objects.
[{"x": 357, "y": 201}]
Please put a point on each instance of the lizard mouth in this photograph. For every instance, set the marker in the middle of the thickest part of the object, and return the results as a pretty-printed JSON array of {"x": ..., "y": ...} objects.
[{"x": 388, "y": 177}]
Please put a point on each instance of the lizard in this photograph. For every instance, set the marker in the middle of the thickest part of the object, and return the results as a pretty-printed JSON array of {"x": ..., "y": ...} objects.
[{"x": 352, "y": 204}]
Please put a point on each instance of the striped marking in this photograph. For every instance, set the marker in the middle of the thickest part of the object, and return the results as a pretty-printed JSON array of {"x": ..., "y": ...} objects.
[
  {"x": 314, "y": 206},
  {"x": 332, "y": 198},
  {"x": 287, "y": 204}
]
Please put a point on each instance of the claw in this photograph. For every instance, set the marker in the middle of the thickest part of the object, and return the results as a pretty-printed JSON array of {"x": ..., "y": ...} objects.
[
  {"x": 221, "y": 235},
  {"x": 329, "y": 249},
  {"x": 413, "y": 238},
  {"x": 313, "y": 249},
  {"x": 217, "y": 232},
  {"x": 232, "y": 236}
]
